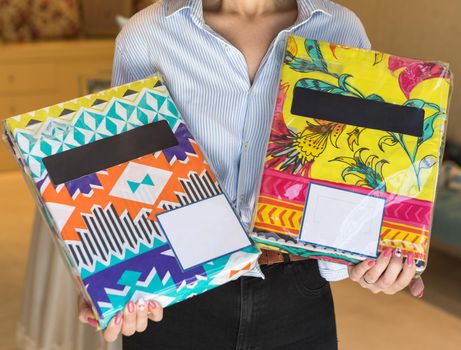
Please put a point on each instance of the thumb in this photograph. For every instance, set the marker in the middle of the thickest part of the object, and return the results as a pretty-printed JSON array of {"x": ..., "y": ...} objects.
[
  {"x": 84, "y": 311},
  {"x": 417, "y": 287}
]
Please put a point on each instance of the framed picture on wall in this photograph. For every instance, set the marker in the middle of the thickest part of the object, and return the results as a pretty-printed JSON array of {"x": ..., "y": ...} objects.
[{"x": 90, "y": 84}]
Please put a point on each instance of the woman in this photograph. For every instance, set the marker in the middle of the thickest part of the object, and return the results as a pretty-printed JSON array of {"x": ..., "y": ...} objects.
[{"x": 221, "y": 60}]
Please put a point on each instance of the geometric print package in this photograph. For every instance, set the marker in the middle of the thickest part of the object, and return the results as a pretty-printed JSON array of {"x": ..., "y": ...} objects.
[
  {"x": 130, "y": 198},
  {"x": 354, "y": 154}
]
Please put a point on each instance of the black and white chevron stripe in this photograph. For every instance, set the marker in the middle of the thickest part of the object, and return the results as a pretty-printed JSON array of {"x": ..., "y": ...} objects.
[
  {"x": 197, "y": 187},
  {"x": 110, "y": 235}
]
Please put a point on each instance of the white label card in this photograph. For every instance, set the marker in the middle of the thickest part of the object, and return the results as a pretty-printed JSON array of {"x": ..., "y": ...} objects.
[
  {"x": 203, "y": 231},
  {"x": 341, "y": 219}
]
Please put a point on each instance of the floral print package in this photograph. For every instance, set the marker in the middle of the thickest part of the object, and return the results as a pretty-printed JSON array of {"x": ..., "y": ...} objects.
[{"x": 354, "y": 154}]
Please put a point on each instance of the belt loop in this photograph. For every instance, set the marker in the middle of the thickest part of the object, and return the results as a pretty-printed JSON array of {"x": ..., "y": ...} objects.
[{"x": 286, "y": 257}]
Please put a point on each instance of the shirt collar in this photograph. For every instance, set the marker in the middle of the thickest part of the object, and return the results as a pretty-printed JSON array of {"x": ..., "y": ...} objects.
[
  {"x": 305, "y": 8},
  {"x": 174, "y": 6}
]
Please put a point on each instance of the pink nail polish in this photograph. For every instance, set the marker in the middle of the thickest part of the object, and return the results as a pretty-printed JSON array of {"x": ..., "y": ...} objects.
[
  {"x": 398, "y": 253},
  {"x": 92, "y": 322},
  {"x": 371, "y": 263},
  {"x": 410, "y": 259},
  {"x": 388, "y": 252},
  {"x": 130, "y": 307},
  {"x": 118, "y": 318},
  {"x": 141, "y": 304},
  {"x": 152, "y": 305}
]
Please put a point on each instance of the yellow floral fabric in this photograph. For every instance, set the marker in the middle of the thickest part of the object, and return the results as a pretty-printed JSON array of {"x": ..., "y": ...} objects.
[{"x": 400, "y": 167}]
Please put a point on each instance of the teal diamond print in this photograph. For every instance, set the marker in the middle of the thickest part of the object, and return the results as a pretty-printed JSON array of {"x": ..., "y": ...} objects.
[{"x": 129, "y": 278}]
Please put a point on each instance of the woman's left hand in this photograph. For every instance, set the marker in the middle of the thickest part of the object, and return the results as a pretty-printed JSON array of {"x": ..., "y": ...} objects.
[{"x": 388, "y": 274}]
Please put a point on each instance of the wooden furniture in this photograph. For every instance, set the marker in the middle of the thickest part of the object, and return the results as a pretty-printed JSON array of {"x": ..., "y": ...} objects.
[
  {"x": 37, "y": 75},
  {"x": 99, "y": 15}
]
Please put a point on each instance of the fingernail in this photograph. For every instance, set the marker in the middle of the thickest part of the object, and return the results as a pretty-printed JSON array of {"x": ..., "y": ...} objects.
[
  {"x": 152, "y": 305},
  {"x": 141, "y": 304},
  {"x": 371, "y": 263},
  {"x": 410, "y": 259},
  {"x": 420, "y": 295},
  {"x": 118, "y": 318},
  {"x": 398, "y": 253},
  {"x": 388, "y": 252},
  {"x": 92, "y": 322},
  {"x": 130, "y": 307}
]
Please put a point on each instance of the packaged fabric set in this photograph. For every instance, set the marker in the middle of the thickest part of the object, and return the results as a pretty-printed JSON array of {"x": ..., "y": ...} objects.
[
  {"x": 351, "y": 168},
  {"x": 130, "y": 198},
  {"x": 353, "y": 155}
]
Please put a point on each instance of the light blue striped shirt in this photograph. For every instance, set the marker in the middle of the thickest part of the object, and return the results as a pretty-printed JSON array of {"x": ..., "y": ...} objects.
[{"x": 208, "y": 79}]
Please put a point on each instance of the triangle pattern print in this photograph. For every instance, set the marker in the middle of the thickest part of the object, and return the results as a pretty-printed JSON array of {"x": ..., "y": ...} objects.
[{"x": 105, "y": 167}]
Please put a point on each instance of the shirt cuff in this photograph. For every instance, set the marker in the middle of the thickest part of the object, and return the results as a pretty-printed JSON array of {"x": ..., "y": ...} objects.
[{"x": 332, "y": 271}]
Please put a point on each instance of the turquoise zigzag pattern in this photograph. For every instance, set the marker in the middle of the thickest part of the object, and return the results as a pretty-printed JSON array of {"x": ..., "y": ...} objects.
[
  {"x": 170, "y": 294},
  {"x": 164, "y": 290},
  {"x": 90, "y": 124}
]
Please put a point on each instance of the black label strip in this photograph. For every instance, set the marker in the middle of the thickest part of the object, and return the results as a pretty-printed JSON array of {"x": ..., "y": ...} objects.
[
  {"x": 358, "y": 112},
  {"x": 108, "y": 152}
]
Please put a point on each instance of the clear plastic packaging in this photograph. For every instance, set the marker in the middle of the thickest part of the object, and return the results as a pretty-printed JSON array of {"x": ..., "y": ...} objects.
[
  {"x": 354, "y": 154},
  {"x": 131, "y": 200}
]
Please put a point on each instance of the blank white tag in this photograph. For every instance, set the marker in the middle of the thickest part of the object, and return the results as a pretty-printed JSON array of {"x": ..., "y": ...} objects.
[
  {"x": 203, "y": 231},
  {"x": 341, "y": 219}
]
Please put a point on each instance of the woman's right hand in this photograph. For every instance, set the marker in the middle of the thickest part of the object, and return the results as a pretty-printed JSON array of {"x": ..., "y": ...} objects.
[{"x": 134, "y": 318}]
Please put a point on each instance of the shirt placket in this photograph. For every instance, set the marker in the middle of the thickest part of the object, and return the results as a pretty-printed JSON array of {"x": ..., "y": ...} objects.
[
  {"x": 243, "y": 190},
  {"x": 245, "y": 184}
]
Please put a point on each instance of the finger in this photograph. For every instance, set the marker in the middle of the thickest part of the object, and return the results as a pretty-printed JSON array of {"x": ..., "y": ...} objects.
[
  {"x": 390, "y": 275},
  {"x": 129, "y": 319},
  {"x": 81, "y": 299},
  {"x": 381, "y": 264},
  {"x": 374, "y": 289},
  {"x": 407, "y": 274},
  {"x": 417, "y": 287},
  {"x": 85, "y": 313},
  {"x": 113, "y": 329},
  {"x": 141, "y": 317},
  {"x": 365, "y": 285},
  {"x": 356, "y": 272},
  {"x": 371, "y": 287},
  {"x": 156, "y": 311}
]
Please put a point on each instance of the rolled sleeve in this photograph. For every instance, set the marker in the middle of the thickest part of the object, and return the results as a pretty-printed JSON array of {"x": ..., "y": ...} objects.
[{"x": 332, "y": 271}]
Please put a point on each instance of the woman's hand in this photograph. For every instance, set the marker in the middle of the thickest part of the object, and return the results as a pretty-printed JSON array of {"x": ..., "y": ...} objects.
[
  {"x": 133, "y": 319},
  {"x": 388, "y": 274}
]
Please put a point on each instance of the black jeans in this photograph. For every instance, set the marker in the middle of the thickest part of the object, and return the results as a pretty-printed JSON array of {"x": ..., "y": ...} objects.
[{"x": 291, "y": 309}]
